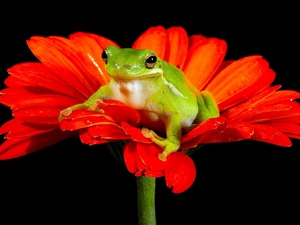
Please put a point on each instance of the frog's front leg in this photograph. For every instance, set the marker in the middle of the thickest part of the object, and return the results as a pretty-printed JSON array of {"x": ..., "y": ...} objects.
[
  {"x": 207, "y": 107},
  {"x": 90, "y": 104}
]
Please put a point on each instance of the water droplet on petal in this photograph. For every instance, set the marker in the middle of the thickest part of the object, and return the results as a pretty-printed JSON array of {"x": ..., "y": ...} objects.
[{"x": 88, "y": 122}]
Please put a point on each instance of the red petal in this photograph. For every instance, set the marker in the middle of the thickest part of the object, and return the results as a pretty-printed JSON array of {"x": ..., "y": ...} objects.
[
  {"x": 249, "y": 91},
  {"x": 296, "y": 136},
  {"x": 250, "y": 103},
  {"x": 86, "y": 68},
  {"x": 281, "y": 96},
  {"x": 235, "y": 131},
  {"x": 228, "y": 131},
  {"x": 290, "y": 119},
  {"x": 139, "y": 173},
  {"x": 148, "y": 153},
  {"x": 268, "y": 114},
  {"x": 206, "y": 138},
  {"x": 79, "y": 119},
  {"x": 18, "y": 129},
  {"x": 154, "y": 173},
  {"x": 60, "y": 57},
  {"x": 176, "y": 46},
  {"x": 37, "y": 108},
  {"x": 270, "y": 135},
  {"x": 13, "y": 95},
  {"x": 239, "y": 80},
  {"x": 135, "y": 133},
  {"x": 130, "y": 156},
  {"x": 223, "y": 65},
  {"x": 205, "y": 126},
  {"x": 107, "y": 131},
  {"x": 11, "y": 81},
  {"x": 46, "y": 100},
  {"x": 141, "y": 166},
  {"x": 98, "y": 127},
  {"x": 14, "y": 148},
  {"x": 10, "y": 125},
  {"x": 154, "y": 38},
  {"x": 41, "y": 115},
  {"x": 203, "y": 59},
  {"x": 84, "y": 39},
  {"x": 287, "y": 128},
  {"x": 120, "y": 112},
  {"x": 274, "y": 102},
  {"x": 92, "y": 47},
  {"x": 180, "y": 172},
  {"x": 86, "y": 138},
  {"x": 38, "y": 74},
  {"x": 195, "y": 39}
]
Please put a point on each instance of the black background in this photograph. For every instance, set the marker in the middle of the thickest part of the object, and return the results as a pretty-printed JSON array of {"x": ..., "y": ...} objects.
[{"x": 236, "y": 182}]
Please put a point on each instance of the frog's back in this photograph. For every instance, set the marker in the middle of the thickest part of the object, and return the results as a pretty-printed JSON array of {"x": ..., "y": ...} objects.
[{"x": 176, "y": 81}]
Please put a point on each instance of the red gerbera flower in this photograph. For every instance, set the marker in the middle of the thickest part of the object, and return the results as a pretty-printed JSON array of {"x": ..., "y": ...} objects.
[{"x": 72, "y": 69}]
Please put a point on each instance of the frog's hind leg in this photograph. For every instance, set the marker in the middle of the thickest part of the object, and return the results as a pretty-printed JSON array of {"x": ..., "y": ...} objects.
[
  {"x": 207, "y": 106},
  {"x": 173, "y": 135},
  {"x": 164, "y": 107}
]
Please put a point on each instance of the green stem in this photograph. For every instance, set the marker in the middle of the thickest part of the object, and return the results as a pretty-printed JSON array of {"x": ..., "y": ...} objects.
[{"x": 146, "y": 200}]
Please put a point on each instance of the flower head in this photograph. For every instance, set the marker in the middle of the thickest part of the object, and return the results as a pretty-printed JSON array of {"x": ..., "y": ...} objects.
[{"x": 71, "y": 70}]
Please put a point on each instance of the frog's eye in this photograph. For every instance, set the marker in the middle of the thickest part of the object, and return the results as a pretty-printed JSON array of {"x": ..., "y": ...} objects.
[
  {"x": 151, "y": 61},
  {"x": 104, "y": 56}
]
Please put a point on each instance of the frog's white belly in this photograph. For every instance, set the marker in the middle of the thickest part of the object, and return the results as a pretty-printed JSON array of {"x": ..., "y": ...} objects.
[{"x": 133, "y": 93}]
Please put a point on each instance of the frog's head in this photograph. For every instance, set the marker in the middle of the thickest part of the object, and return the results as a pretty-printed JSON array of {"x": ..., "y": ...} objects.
[{"x": 127, "y": 63}]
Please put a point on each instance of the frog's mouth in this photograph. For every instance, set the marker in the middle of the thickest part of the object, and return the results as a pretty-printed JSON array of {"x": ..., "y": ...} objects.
[{"x": 128, "y": 77}]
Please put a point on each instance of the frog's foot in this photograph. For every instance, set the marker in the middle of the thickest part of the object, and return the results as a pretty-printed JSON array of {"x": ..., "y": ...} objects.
[
  {"x": 69, "y": 110},
  {"x": 164, "y": 143}
]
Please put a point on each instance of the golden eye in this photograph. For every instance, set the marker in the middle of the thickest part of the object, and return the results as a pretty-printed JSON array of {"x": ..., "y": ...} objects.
[
  {"x": 151, "y": 61},
  {"x": 104, "y": 56}
]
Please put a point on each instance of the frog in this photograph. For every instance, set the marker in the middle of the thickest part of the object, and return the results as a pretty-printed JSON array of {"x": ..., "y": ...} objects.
[{"x": 140, "y": 79}]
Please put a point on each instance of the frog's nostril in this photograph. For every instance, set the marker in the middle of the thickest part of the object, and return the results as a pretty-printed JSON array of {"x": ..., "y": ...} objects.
[{"x": 127, "y": 66}]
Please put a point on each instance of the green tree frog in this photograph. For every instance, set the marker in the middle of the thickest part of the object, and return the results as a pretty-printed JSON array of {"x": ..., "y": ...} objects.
[{"x": 141, "y": 80}]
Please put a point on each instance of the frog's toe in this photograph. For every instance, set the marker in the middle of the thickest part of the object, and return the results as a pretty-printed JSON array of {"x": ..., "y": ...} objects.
[
  {"x": 65, "y": 112},
  {"x": 146, "y": 132},
  {"x": 151, "y": 134},
  {"x": 162, "y": 157},
  {"x": 167, "y": 145}
]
